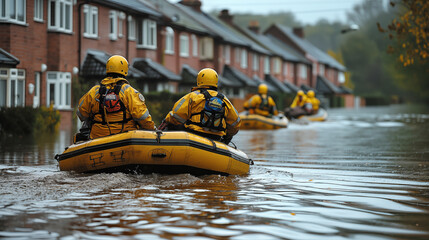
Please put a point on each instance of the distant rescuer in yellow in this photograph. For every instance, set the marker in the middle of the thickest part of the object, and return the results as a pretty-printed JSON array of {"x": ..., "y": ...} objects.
[
  {"x": 261, "y": 103},
  {"x": 313, "y": 103},
  {"x": 299, "y": 99},
  {"x": 204, "y": 111},
  {"x": 114, "y": 106}
]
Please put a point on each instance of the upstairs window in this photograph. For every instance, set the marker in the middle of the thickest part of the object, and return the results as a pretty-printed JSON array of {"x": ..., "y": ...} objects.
[
  {"x": 227, "y": 54},
  {"x": 237, "y": 55},
  {"x": 113, "y": 19},
  {"x": 60, "y": 15},
  {"x": 38, "y": 10},
  {"x": 243, "y": 60},
  {"x": 12, "y": 11},
  {"x": 194, "y": 45},
  {"x": 90, "y": 14},
  {"x": 277, "y": 65},
  {"x": 147, "y": 34},
  {"x": 184, "y": 45},
  {"x": 169, "y": 40},
  {"x": 131, "y": 28},
  {"x": 206, "y": 48},
  {"x": 322, "y": 69},
  {"x": 267, "y": 65},
  {"x": 303, "y": 71},
  {"x": 121, "y": 19},
  {"x": 255, "y": 62}
]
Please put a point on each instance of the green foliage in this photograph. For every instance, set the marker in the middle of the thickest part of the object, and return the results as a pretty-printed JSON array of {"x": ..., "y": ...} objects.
[
  {"x": 160, "y": 103},
  {"x": 28, "y": 120}
]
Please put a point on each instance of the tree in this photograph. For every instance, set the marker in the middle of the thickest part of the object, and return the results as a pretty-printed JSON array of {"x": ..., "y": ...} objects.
[{"x": 411, "y": 31}]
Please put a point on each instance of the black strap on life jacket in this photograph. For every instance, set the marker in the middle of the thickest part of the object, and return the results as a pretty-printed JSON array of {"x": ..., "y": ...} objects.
[
  {"x": 110, "y": 102},
  {"x": 211, "y": 116}
]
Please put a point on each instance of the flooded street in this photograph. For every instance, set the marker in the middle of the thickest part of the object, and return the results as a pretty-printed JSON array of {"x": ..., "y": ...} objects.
[{"x": 363, "y": 174}]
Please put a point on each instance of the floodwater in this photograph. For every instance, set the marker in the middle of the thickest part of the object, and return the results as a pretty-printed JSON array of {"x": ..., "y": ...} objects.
[{"x": 361, "y": 175}]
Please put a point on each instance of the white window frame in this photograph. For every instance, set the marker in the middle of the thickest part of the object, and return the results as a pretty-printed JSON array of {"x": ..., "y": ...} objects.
[
  {"x": 6, "y": 15},
  {"x": 244, "y": 59},
  {"x": 131, "y": 28},
  {"x": 277, "y": 65},
  {"x": 194, "y": 45},
  {"x": 61, "y": 82},
  {"x": 38, "y": 10},
  {"x": 227, "y": 54},
  {"x": 267, "y": 65},
  {"x": 322, "y": 69},
  {"x": 14, "y": 79},
  {"x": 121, "y": 18},
  {"x": 184, "y": 45},
  {"x": 303, "y": 71},
  {"x": 147, "y": 36},
  {"x": 285, "y": 69},
  {"x": 113, "y": 24},
  {"x": 169, "y": 40},
  {"x": 206, "y": 48},
  {"x": 237, "y": 54},
  {"x": 57, "y": 22},
  {"x": 90, "y": 14},
  {"x": 255, "y": 62}
]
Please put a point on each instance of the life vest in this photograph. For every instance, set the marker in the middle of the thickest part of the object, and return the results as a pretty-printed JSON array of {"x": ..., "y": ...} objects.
[
  {"x": 213, "y": 114},
  {"x": 109, "y": 103},
  {"x": 264, "y": 105}
]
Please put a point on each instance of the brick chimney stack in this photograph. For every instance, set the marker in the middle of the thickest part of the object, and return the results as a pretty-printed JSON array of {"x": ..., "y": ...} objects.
[
  {"x": 195, "y": 4},
  {"x": 254, "y": 26},
  {"x": 299, "y": 31},
  {"x": 225, "y": 16}
]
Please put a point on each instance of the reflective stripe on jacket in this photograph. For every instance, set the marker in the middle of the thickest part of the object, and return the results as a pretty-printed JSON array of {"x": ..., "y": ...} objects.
[{"x": 89, "y": 108}]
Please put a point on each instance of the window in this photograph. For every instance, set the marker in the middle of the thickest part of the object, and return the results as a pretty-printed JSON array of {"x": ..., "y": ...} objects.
[
  {"x": 90, "y": 15},
  {"x": 285, "y": 70},
  {"x": 131, "y": 28},
  {"x": 255, "y": 62},
  {"x": 38, "y": 10},
  {"x": 322, "y": 69},
  {"x": 121, "y": 24},
  {"x": 303, "y": 71},
  {"x": 169, "y": 40},
  {"x": 12, "y": 90},
  {"x": 206, "y": 48},
  {"x": 184, "y": 45},
  {"x": 60, "y": 15},
  {"x": 341, "y": 77},
  {"x": 243, "y": 58},
  {"x": 113, "y": 19},
  {"x": 147, "y": 34},
  {"x": 194, "y": 45},
  {"x": 59, "y": 89},
  {"x": 267, "y": 65},
  {"x": 12, "y": 11},
  {"x": 277, "y": 65},
  {"x": 237, "y": 55},
  {"x": 227, "y": 54}
]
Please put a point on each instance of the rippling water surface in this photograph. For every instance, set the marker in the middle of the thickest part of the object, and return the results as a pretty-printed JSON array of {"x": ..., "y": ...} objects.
[{"x": 361, "y": 175}]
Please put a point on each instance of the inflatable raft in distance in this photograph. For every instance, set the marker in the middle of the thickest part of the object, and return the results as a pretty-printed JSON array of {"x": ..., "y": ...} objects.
[
  {"x": 320, "y": 116},
  {"x": 255, "y": 121},
  {"x": 154, "y": 151}
]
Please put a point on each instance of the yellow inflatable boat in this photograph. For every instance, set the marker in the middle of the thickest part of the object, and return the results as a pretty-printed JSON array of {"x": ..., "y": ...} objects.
[
  {"x": 255, "y": 121},
  {"x": 154, "y": 151},
  {"x": 320, "y": 116}
]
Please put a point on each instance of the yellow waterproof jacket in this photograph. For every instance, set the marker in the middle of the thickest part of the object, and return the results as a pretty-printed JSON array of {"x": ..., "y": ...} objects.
[
  {"x": 256, "y": 105},
  {"x": 185, "y": 112},
  {"x": 299, "y": 101},
  {"x": 314, "y": 102},
  {"x": 136, "y": 113}
]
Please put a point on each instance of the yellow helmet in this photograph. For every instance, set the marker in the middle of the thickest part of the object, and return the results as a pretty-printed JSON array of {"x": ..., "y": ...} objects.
[
  {"x": 207, "y": 77},
  {"x": 310, "y": 93},
  {"x": 300, "y": 93},
  {"x": 117, "y": 64},
  {"x": 262, "y": 88}
]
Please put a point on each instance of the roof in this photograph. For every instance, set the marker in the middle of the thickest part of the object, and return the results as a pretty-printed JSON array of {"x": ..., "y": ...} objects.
[
  {"x": 323, "y": 85},
  {"x": 7, "y": 58},
  {"x": 346, "y": 90},
  {"x": 94, "y": 65},
  {"x": 308, "y": 47},
  {"x": 189, "y": 75},
  {"x": 233, "y": 74},
  {"x": 154, "y": 70},
  {"x": 212, "y": 26},
  {"x": 177, "y": 15},
  {"x": 271, "y": 79},
  {"x": 291, "y": 86},
  {"x": 132, "y": 6},
  {"x": 270, "y": 86}
]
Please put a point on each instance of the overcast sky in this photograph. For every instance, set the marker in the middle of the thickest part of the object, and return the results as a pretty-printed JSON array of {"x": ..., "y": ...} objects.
[{"x": 306, "y": 11}]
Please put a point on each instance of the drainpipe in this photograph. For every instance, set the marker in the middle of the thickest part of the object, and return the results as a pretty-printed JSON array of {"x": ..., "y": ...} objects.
[
  {"x": 127, "y": 41},
  {"x": 79, "y": 33}
]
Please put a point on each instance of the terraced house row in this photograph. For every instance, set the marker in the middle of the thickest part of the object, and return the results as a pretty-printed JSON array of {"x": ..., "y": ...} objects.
[{"x": 46, "y": 43}]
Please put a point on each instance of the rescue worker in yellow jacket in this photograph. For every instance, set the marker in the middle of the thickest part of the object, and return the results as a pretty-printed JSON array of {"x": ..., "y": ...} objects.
[
  {"x": 204, "y": 111},
  {"x": 311, "y": 99},
  {"x": 114, "y": 106},
  {"x": 297, "y": 108},
  {"x": 261, "y": 103},
  {"x": 299, "y": 99}
]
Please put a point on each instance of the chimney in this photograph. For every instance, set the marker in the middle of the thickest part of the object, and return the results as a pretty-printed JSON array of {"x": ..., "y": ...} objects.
[
  {"x": 225, "y": 16},
  {"x": 299, "y": 31},
  {"x": 254, "y": 26},
  {"x": 195, "y": 4}
]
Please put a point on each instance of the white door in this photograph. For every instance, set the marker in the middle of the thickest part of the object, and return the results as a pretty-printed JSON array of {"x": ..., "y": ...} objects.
[{"x": 36, "y": 98}]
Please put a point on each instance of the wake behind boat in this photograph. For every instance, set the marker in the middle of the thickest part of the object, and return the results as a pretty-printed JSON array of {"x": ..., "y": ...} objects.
[{"x": 154, "y": 151}]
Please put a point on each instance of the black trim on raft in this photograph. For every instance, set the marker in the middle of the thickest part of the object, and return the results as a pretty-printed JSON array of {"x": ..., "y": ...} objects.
[
  {"x": 143, "y": 141},
  {"x": 264, "y": 121}
]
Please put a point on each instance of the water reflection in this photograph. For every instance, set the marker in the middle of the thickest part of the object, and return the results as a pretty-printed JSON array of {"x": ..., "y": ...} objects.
[{"x": 361, "y": 175}]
